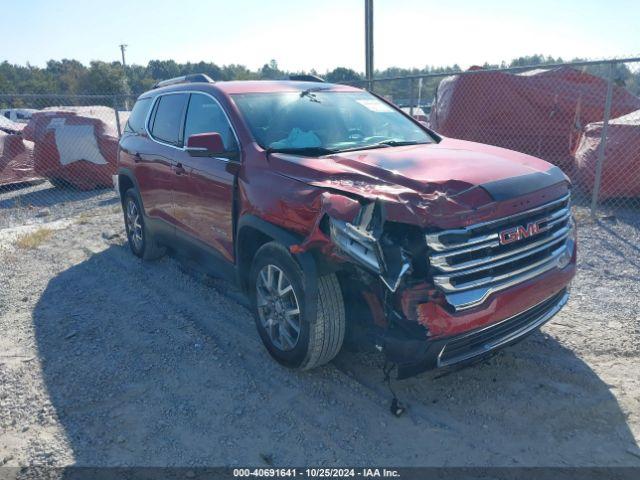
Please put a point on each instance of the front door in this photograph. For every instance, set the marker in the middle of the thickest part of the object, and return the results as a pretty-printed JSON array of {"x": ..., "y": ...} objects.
[{"x": 204, "y": 186}]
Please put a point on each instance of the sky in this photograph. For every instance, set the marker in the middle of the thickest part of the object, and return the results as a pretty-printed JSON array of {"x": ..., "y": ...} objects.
[{"x": 320, "y": 34}]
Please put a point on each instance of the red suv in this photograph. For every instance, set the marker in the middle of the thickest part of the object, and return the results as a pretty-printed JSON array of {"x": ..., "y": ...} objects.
[{"x": 336, "y": 212}]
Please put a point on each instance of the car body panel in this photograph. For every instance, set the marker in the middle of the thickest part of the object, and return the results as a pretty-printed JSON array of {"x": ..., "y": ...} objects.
[
  {"x": 152, "y": 165},
  {"x": 203, "y": 199}
]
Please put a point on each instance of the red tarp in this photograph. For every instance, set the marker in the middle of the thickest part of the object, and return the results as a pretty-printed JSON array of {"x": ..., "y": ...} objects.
[
  {"x": 76, "y": 145},
  {"x": 16, "y": 160},
  {"x": 541, "y": 112},
  {"x": 621, "y": 166}
]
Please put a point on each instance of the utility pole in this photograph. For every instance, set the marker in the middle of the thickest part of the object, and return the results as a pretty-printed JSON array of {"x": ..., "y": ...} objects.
[
  {"x": 123, "y": 47},
  {"x": 368, "y": 41}
]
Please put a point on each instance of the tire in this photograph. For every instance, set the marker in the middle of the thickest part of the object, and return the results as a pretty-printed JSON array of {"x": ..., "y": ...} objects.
[
  {"x": 141, "y": 241},
  {"x": 318, "y": 339}
]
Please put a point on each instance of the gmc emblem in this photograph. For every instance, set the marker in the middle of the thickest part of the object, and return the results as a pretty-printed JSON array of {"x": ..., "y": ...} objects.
[{"x": 520, "y": 232}]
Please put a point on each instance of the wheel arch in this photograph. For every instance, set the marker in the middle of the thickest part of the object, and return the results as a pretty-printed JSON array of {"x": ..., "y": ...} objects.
[
  {"x": 127, "y": 180},
  {"x": 252, "y": 233}
]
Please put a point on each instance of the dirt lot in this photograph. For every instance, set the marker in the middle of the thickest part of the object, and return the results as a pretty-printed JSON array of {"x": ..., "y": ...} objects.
[{"x": 105, "y": 360}]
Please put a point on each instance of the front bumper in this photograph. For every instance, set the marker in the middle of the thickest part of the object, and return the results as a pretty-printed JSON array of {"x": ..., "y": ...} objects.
[{"x": 414, "y": 356}]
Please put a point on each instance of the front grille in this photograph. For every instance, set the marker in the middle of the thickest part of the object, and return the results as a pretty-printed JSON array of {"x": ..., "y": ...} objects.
[
  {"x": 470, "y": 263},
  {"x": 489, "y": 338}
]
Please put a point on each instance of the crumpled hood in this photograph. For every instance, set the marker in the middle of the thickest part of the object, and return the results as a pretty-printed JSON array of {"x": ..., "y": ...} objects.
[{"x": 467, "y": 174}]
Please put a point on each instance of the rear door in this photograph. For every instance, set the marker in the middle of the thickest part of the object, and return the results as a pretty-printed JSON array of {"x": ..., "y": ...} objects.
[
  {"x": 137, "y": 153},
  {"x": 203, "y": 193},
  {"x": 156, "y": 167}
]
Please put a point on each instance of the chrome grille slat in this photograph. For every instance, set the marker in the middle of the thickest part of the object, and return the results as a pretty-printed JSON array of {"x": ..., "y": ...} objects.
[
  {"x": 468, "y": 272},
  {"x": 441, "y": 264},
  {"x": 433, "y": 239},
  {"x": 506, "y": 261},
  {"x": 445, "y": 284},
  {"x": 480, "y": 243}
]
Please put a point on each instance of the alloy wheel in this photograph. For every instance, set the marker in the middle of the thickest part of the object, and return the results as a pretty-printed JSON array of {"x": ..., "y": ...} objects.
[
  {"x": 278, "y": 307},
  {"x": 134, "y": 225}
]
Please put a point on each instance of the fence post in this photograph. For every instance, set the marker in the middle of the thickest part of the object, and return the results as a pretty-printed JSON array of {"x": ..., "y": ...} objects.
[
  {"x": 412, "y": 95},
  {"x": 115, "y": 108},
  {"x": 603, "y": 141}
]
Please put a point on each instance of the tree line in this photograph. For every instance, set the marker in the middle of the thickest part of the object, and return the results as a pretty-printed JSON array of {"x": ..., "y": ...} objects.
[{"x": 71, "y": 77}]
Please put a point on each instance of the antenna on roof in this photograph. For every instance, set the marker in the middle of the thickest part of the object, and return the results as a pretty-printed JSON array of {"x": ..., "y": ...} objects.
[
  {"x": 306, "y": 78},
  {"x": 193, "y": 78}
]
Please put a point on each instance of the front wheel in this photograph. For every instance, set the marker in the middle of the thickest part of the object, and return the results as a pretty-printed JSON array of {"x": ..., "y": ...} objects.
[
  {"x": 141, "y": 241},
  {"x": 290, "y": 333}
]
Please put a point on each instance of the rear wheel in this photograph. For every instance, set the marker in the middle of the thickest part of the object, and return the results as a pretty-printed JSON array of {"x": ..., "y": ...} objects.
[
  {"x": 294, "y": 336},
  {"x": 141, "y": 241}
]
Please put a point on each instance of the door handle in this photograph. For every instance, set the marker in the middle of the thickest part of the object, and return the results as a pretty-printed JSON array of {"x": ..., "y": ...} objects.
[
  {"x": 137, "y": 157},
  {"x": 179, "y": 169}
]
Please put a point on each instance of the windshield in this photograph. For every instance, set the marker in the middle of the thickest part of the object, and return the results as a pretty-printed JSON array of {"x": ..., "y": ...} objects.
[{"x": 317, "y": 121}]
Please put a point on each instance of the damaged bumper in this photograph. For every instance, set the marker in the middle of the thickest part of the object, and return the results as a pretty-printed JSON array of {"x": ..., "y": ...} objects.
[{"x": 414, "y": 356}]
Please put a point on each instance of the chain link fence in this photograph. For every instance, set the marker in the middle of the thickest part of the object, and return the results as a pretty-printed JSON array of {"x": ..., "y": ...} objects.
[
  {"x": 58, "y": 153},
  {"x": 583, "y": 117}
]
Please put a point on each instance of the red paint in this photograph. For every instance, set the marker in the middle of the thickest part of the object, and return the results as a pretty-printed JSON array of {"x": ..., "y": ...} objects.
[{"x": 211, "y": 142}]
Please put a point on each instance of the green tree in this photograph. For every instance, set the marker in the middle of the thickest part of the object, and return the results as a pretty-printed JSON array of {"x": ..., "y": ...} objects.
[
  {"x": 342, "y": 75},
  {"x": 270, "y": 71},
  {"x": 103, "y": 78}
]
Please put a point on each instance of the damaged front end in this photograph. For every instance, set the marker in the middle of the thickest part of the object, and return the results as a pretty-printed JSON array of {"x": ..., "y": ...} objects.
[
  {"x": 428, "y": 273},
  {"x": 364, "y": 241},
  {"x": 387, "y": 272}
]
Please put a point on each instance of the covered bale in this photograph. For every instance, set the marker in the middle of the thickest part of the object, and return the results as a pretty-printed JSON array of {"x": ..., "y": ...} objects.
[
  {"x": 540, "y": 112},
  {"x": 16, "y": 160},
  {"x": 621, "y": 165},
  {"x": 75, "y": 145}
]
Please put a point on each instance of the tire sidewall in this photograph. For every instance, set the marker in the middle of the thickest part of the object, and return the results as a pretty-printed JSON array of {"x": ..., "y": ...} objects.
[
  {"x": 277, "y": 255},
  {"x": 131, "y": 195}
]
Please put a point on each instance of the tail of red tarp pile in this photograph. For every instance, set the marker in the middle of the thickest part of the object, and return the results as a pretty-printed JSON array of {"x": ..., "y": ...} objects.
[
  {"x": 16, "y": 160},
  {"x": 540, "y": 112},
  {"x": 621, "y": 166},
  {"x": 75, "y": 145}
]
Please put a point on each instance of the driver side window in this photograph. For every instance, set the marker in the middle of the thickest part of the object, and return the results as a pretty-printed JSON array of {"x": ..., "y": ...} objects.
[{"x": 204, "y": 115}]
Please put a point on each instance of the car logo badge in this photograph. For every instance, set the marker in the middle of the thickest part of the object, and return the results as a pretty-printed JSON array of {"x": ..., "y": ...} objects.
[{"x": 520, "y": 232}]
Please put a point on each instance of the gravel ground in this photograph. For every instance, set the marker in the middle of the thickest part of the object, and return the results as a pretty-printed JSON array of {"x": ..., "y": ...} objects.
[{"x": 105, "y": 360}]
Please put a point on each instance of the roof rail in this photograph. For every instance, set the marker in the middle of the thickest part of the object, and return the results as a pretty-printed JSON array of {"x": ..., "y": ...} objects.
[
  {"x": 193, "y": 78},
  {"x": 306, "y": 78}
]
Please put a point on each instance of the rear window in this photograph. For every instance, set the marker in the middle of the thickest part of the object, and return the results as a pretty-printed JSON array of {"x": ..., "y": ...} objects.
[
  {"x": 135, "y": 124},
  {"x": 167, "y": 122}
]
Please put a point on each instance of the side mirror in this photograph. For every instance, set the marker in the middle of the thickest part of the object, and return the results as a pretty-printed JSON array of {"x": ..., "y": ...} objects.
[{"x": 205, "y": 144}]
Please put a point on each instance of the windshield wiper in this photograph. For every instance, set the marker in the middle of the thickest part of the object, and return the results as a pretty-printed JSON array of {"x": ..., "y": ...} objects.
[
  {"x": 400, "y": 143},
  {"x": 383, "y": 144},
  {"x": 305, "y": 151}
]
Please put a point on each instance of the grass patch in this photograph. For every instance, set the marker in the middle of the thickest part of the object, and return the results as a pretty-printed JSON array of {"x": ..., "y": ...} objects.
[
  {"x": 84, "y": 218},
  {"x": 34, "y": 239}
]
